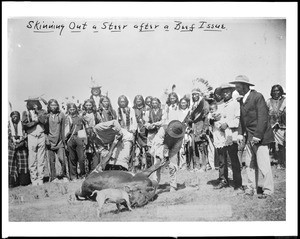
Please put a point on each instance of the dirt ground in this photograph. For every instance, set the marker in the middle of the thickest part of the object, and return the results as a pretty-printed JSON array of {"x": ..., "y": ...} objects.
[{"x": 195, "y": 200}]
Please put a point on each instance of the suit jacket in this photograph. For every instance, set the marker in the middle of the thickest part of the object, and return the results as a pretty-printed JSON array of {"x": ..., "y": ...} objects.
[{"x": 255, "y": 118}]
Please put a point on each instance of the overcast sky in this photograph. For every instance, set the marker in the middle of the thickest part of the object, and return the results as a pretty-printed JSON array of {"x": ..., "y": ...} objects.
[{"x": 130, "y": 62}]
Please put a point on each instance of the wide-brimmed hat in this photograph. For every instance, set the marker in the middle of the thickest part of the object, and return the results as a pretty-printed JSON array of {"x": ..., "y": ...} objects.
[
  {"x": 95, "y": 86},
  {"x": 227, "y": 86},
  {"x": 33, "y": 99},
  {"x": 241, "y": 79},
  {"x": 175, "y": 129}
]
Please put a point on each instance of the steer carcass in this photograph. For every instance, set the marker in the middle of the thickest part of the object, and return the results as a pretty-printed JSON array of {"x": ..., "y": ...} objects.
[{"x": 142, "y": 188}]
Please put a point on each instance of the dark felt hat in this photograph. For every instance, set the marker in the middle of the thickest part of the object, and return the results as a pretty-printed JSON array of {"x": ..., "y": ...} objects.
[{"x": 175, "y": 129}]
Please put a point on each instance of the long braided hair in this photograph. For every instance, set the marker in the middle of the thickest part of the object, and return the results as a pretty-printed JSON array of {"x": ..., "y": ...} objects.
[
  {"x": 109, "y": 110},
  {"x": 125, "y": 110}
]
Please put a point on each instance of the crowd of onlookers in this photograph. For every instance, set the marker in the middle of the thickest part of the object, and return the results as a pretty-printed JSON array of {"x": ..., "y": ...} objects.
[{"x": 230, "y": 129}]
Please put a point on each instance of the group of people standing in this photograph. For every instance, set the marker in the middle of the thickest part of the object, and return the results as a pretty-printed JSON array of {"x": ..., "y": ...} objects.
[{"x": 233, "y": 127}]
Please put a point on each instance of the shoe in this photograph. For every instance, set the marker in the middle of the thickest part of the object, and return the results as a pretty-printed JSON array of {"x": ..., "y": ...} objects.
[
  {"x": 221, "y": 185},
  {"x": 34, "y": 183},
  {"x": 56, "y": 180},
  {"x": 239, "y": 190},
  {"x": 65, "y": 180},
  {"x": 183, "y": 167},
  {"x": 249, "y": 192},
  {"x": 280, "y": 166},
  {"x": 208, "y": 167},
  {"x": 202, "y": 170},
  {"x": 264, "y": 196},
  {"x": 40, "y": 182}
]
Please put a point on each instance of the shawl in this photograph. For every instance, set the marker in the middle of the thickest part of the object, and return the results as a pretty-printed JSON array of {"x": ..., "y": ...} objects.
[{"x": 19, "y": 129}]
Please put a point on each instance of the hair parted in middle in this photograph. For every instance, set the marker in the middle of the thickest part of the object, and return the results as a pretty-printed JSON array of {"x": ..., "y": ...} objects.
[
  {"x": 50, "y": 102},
  {"x": 169, "y": 96},
  {"x": 188, "y": 101},
  {"x": 70, "y": 105},
  {"x": 124, "y": 98},
  {"x": 94, "y": 108},
  {"x": 136, "y": 98}
]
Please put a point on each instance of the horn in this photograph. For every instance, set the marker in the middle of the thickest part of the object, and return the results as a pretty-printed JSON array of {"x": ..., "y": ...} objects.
[{"x": 147, "y": 172}]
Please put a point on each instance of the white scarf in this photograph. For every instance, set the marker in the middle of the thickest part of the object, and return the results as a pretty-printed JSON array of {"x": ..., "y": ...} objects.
[{"x": 13, "y": 132}]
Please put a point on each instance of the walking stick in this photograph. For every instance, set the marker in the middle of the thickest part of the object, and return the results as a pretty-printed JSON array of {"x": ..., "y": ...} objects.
[{"x": 132, "y": 154}]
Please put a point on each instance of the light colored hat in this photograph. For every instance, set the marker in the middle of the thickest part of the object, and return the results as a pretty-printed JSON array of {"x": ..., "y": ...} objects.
[
  {"x": 32, "y": 99},
  {"x": 241, "y": 79},
  {"x": 94, "y": 84},
  {"x": 175, "y": 129},
  {"x": 196, "y": 91},
  {"x": 226, "y": 86}
]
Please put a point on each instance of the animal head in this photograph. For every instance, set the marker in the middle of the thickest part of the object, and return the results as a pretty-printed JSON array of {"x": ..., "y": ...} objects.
[
  {"x": 137, "y": 198},
  {"x": 140, "y": 197}
]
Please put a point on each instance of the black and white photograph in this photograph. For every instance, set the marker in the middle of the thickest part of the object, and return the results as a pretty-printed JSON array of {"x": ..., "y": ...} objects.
[{"x": 120, "y": 116}]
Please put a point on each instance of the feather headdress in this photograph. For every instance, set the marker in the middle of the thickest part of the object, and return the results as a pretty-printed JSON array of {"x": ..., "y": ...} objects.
[{"x": 202, "y": 85}]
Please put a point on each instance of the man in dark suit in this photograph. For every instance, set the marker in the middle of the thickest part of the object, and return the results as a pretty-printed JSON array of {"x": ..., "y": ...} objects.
[{"x": 255, "y": 126}]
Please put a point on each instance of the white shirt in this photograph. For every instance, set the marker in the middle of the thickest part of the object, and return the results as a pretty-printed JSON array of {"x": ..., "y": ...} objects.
[
  {"x": 182, "y": 114},
  {"x": 170, "y": 113},
  {"x": 133, "y": 124},
  {"x": 246, "y": 96},
  {"x": 97, "y": 100},
  {"x": 218, "y": 134},
  {"x": 231, "y": 116}
]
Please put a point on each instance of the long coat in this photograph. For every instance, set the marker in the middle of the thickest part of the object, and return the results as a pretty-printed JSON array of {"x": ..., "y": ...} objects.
[{"x": 255, "y": 118}]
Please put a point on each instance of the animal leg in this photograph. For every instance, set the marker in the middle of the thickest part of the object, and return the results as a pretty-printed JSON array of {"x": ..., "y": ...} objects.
[
  {"x": 100, "y": 201},
  {"x": 127, "y": 202},
  {"x": 118, "y": 206},
  {"x": 98, "y": 212},
  {"x": 128, "y": 205}
]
